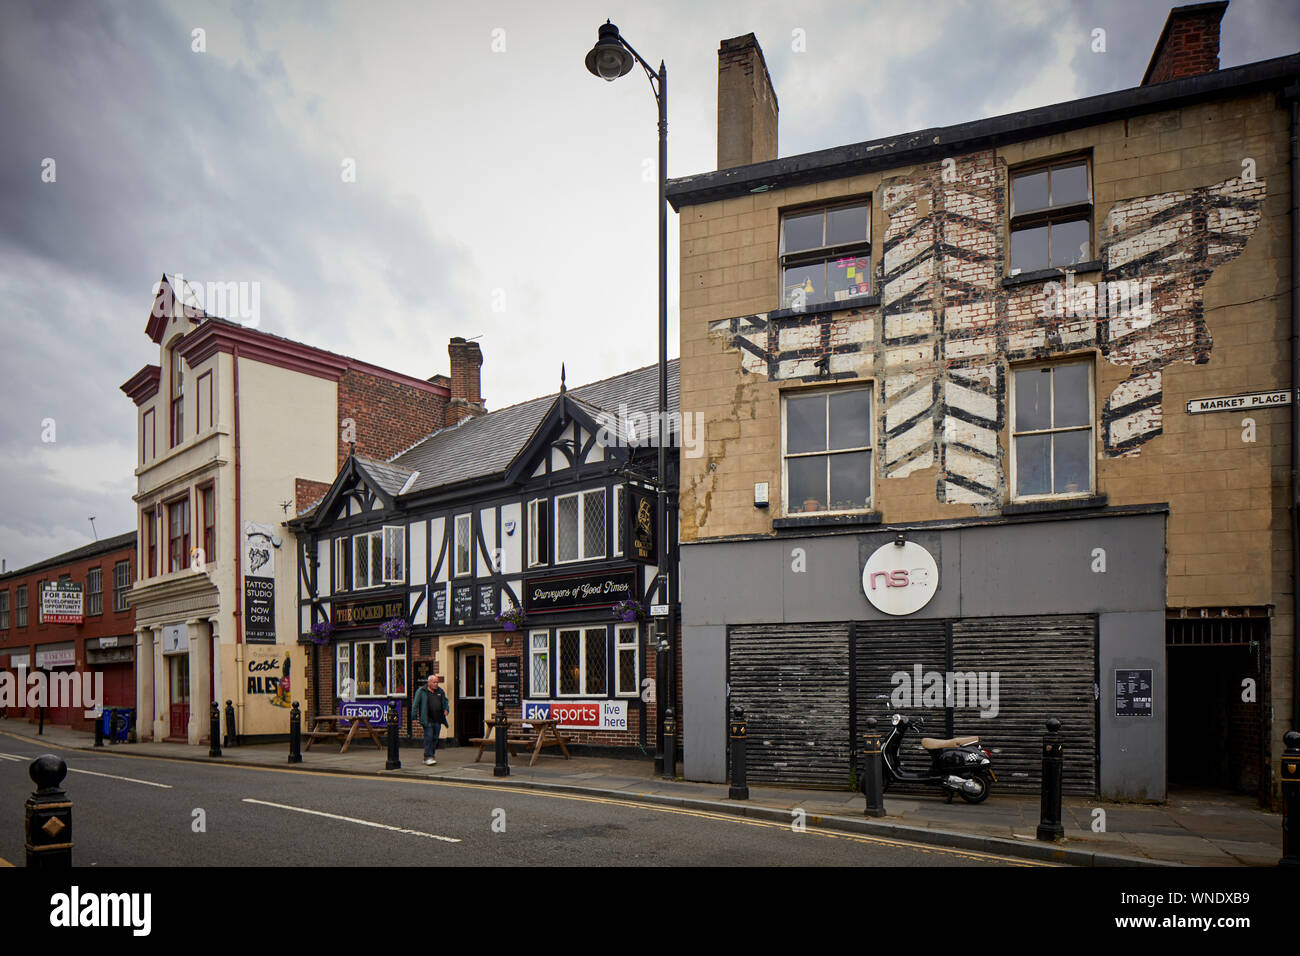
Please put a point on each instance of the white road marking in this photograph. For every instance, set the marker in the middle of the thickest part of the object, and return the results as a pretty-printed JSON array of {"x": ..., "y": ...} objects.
[
  {"x": 364, "y": 823},
  {"x": 113, "y": 776},
  {"x": 11, "y": 757}
]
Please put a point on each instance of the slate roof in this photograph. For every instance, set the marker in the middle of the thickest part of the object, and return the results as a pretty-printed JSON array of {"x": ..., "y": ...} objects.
[
  {"x": 486, "y": 445},
  {"x": 391, "y": 478},
  {"x": 102, "y": 546}
]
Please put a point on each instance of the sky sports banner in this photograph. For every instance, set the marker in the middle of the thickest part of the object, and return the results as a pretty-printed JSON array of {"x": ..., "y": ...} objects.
[
  {"x": 579, "y": 714},
  {"x": 61, "y": 603}
]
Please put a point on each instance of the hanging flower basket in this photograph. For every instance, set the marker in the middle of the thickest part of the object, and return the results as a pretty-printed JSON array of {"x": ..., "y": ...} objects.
[
  {"x": 628, "y": 610},
  {"x": 511, "y": 619},
  {"x": 395, "y": 629},
  {"x": 321, "y": 631}
]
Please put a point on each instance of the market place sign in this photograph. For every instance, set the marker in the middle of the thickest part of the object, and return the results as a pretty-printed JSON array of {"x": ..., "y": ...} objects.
[
  {"x": 61, "y": 603},
  {"x": 579, "y": 591},
  {"x": 370, "y": 613},
  {"x": 1234, "y": 403}
]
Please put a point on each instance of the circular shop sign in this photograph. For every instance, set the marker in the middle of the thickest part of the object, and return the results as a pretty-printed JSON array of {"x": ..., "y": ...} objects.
[{"x": 900, "y": 579}]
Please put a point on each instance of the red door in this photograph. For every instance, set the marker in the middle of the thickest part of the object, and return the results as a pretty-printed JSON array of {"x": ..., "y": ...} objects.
[{"x": 179, "y": 666}]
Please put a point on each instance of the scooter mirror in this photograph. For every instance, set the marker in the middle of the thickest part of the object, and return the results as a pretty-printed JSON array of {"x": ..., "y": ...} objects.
[{"x": 894, "y": 720}]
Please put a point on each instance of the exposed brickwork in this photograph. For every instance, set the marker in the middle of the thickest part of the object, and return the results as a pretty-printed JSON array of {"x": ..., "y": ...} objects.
[
  {"x": 1189, "y": 44},
  {"x": 466, "y": 395},
  {"x": 306, "y": 493},
  {"x": 388, "y": 417}
]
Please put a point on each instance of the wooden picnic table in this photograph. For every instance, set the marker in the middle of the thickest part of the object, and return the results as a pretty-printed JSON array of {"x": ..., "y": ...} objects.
[
  {"x": 327, "y": 726},
  {"x": 535, "y": 734}
]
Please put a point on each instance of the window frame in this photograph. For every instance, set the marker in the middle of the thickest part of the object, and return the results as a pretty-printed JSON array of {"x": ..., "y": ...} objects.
[
  {"x": 539, "y": 551},
  {"x": 4, "y": 610},
  {"x": 95, "y": 596},
  {"x": 825, "y": 254},
  {"x": 632, "y": 631},
  {"x": 366, "y": 539},
  {"x": 150, "y": 548},
  {"x": 619, "y": 497},
  {"x": 20, "y": 606},
  {"x": 341, "y": 572},
  {"x": 585, "y": 633},
  {"x": 184, "y": 551},
  {"x": 468, "y": 570},
  {"x": 544, "y": 651},
  {"x": 343, "y": 670},
  {"x": 394, "y": 550},
  {"x": 207, "y": 502},
  {"x": 582, "y": 496},
  {"x": 121, "y": 586},
  {"x": 176, "y": 394},
  {"x": 349, "y": 651},
  {"x": 1050, "y": 215},
  {"x": 1091, "y": 428},
  {"x": 828, "y": 453}
]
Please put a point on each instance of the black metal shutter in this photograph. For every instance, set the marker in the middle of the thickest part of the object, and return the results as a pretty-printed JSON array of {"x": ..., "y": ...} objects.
[
  {"x": 1047, "y": 667},
  {"x": 883, "y": 649},
  {"x": 793, "y": 682}
]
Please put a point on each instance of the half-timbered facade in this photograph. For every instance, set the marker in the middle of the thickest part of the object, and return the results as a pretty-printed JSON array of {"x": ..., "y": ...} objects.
[{"x": 406, "y": 567}]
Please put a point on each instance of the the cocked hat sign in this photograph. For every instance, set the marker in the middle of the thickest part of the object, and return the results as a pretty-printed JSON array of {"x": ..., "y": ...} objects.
[{"x": 900, "y": 578}]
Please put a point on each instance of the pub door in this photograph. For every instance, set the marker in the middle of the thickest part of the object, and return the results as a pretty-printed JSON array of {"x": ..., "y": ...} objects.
[
  {"x": 179, "y": 694},
  {"x": 469, "y": 694}
]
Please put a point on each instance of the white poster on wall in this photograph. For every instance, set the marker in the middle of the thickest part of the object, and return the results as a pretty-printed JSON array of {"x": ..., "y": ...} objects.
[{"x": 260, "y": 542}]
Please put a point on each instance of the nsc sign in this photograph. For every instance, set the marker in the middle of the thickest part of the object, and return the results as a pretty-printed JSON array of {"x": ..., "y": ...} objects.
[{"x": 579, "y": 714}]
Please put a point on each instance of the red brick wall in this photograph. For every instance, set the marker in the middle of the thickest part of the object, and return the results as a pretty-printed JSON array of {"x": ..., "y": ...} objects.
[
  {"x": 306, "y": 493},
  {"x": 388, "y": 417},
  {"x": 1190, "y": 48}
]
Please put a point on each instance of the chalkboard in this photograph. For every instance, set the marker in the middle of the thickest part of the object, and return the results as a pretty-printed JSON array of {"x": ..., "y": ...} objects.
[
  {"x": 508, "y": 681},
  {"x": 439, "y": 615},
  {"x": 1133, "y": 693},
  {"x": 487, "y": 602},
  {"x": 462, "y": 603}
]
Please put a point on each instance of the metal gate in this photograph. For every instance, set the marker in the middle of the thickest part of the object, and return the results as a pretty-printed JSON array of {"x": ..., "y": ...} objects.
[{"x": 793, "y": 682}]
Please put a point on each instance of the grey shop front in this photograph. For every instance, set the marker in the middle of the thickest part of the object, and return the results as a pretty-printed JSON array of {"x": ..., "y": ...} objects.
[{"x": 983, "y": 626}]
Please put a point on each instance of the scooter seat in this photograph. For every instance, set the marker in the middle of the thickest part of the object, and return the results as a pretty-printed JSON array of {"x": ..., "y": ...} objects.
[{"x": 934, "y": 743}]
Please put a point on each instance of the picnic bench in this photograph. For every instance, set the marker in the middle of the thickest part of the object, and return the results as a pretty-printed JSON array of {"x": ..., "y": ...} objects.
[
  {"x": 329, "y": 726},
  {"x": 535, "y": 735}
]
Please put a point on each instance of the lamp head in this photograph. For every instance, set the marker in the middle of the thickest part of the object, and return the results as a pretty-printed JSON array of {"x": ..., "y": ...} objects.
[{"x": 609, "y": 59}]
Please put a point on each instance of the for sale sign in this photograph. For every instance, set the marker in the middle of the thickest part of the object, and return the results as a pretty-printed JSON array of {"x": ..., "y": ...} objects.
[
  {"x": 61, "y": 603},
  {"x": 579, "y": 714}
]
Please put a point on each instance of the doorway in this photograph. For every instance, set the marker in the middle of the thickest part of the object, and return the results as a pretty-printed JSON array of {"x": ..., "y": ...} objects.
[
  {"x": 469, "y": 694},
  {"x": 178, "y": 666},
  {"x": 1217, "y": 685}
]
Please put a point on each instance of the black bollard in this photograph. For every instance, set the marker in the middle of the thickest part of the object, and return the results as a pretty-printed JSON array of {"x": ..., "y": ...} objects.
[
  {"x": 502, "y": 730},
  {"x": 41, "y": 712},
  {"x": 873, "y": 771},
  {"x": 231, "y": 739},
  {"x": 99, "y": 728},
  {"x": 214, "y": 730},
  {"x": 670, "y": 745},
  {"x": 1049, "y": 824},
  {"x": 1291, "y": 800},
  {"x": 394, "y": 762},
  {"x": 295, "y": 734},
  {"x": 49, "y": 816},
  {"x": 739, "y": 789}
]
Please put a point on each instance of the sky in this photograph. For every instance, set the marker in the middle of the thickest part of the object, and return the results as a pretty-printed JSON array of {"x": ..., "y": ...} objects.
[{"x": 500, "y": 191}]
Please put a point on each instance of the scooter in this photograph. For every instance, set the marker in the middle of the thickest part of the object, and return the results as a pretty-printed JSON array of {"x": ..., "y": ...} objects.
[{"x": 957, "y": 765}]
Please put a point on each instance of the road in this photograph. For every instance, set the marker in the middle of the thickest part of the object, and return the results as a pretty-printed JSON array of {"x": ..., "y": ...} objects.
[{"x": 141, "y": 811}]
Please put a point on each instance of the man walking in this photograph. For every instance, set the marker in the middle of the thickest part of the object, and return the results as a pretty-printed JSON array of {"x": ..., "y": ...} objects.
[{"x": 431, "y": 711}]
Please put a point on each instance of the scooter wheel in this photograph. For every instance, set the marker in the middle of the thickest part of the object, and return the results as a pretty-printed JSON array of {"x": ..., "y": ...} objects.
[{"x": 985, "y": 786}]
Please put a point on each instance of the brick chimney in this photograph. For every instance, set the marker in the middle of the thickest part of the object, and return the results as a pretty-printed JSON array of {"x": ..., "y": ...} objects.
[
  {"x": 1188, "y": 45},
  {"x": 466, "y": 360},
  {"x": 747, "y": 104}
]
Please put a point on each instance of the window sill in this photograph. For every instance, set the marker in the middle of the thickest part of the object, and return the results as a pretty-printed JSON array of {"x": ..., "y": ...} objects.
[
  {"x": 1042, "y": 275},
  {"x": 854, "y": 302},
  {"x": 826, "y": 521},
  {"x": 1054, "y": 504}
]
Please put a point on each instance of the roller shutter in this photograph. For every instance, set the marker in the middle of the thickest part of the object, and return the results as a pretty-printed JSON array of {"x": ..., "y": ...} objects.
[{"x": 793, "y": 682}]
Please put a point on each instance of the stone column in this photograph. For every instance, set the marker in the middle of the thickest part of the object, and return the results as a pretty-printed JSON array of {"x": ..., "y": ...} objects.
[
  {"x": 162, "y": 705},
  {"x": 145, "y": 652},
  {"x": 200, "y": 655}
]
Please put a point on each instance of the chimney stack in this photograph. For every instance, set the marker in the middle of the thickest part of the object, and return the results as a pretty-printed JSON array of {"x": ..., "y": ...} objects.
[
  {"x": 466, "y": 360},
  {"x": 1188, "y": 45},
  {"x": 747, "y": 106}
]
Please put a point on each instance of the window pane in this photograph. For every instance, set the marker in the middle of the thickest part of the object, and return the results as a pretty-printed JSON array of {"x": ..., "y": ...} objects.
[
  {"x": 848, "y": 277},
  {"x": 540, "y": 684},
  {"x": 1070, "y": 184},
  {"x": 380, "y": 685},
  {"x": 811, "y": 279},
  {"x": 1033, "y": 465},
  {"x": 376, "y": 558},
  {"x": 1029, "y": 192},
  {"x": 361, "y": 568},
  {"x": 805, "y": 424},
  {"x": 593, "y": 525},
  {"x": 850, "y": 415},
  {"x": 566, "y": 521},
  {"x": 1033, "y": 399},
  {"x": 1070, "y": 396},
  {"x": 807, "y": 478},
  {"x": 570, "y": 662},
  {"x": 627, "y": 670},
  {"x": 596, "y": 650},
  {"x": 850, "y": 481},
  {"x": 363, "y": 670},
  {"x": 1070, "y": 242},
  {"x": 1071, "y": 453},
  {"x": 1029, "y": 249},
  {"x": 803, "y": 231},
  {"x": 846, "y": 224},
  {"x": 462, "y": 544}
]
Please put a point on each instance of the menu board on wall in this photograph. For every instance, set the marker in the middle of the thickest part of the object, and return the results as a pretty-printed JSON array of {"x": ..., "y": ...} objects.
[
  {"x": 1133, "y": 694},
  {"x": 487, "y": 602},
  {"x": 462, "y": 603},
  {"x": 439, "y": 614},
  {"x": 508, "y": 681}
]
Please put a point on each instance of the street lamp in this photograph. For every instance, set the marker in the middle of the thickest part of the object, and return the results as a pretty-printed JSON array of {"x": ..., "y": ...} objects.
[{"x": 610, "y": 58}]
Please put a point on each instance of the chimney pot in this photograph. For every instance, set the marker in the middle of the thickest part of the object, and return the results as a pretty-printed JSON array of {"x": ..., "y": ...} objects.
[
  {"x": 747, "y": 106},
  {"x": 1188, "y": 44},
  {"x": 466, "y": 400}
]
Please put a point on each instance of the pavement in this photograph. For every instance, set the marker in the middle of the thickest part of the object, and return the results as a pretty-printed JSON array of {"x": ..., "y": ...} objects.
[{"x": 1207, "y": 828}]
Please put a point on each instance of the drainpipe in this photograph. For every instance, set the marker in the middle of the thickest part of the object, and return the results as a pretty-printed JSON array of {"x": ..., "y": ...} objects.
[
  {"x": 239, "y": 545},
  {"x": 1292, "y": 95}
]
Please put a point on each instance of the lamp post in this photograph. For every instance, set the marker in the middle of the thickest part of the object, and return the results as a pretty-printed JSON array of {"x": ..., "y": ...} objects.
[{"x": 610, "y": 58}]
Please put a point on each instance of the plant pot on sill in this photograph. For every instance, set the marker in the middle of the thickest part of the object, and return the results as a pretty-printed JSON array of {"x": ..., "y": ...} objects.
[{"x": 811, "y": 504}]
